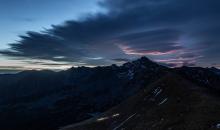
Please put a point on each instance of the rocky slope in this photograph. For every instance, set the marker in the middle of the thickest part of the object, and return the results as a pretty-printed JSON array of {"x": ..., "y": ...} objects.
[
  {"x": 171, "y": 103},
  {"x": 47, "y": 100}
]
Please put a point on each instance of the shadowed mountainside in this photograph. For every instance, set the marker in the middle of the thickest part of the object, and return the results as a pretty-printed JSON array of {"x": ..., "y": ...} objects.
[
  {"x": 171, "y": 103},
  {"x": 47, "y": 100}
]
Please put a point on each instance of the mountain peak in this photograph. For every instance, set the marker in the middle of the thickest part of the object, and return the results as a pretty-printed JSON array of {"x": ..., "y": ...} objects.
[{"x": 143, "y": 60}]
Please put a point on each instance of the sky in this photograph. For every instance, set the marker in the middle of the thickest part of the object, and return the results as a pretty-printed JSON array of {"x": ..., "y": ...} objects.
[{"x": 57, "y": 34}]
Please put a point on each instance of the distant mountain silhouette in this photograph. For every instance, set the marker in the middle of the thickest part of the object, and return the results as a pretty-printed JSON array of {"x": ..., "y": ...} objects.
[
  {"x": 47, "y": 100},
  {"x": 215, "y": 70}
]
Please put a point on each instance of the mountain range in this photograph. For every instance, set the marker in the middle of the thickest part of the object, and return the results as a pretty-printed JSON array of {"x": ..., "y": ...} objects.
[{"x": 136, "y": 95}]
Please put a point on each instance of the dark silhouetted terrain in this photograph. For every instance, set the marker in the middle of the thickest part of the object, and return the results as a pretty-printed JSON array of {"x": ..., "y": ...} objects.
[
  {"x": 171, "y": 103},
  {"x": 137, "y": 95}
]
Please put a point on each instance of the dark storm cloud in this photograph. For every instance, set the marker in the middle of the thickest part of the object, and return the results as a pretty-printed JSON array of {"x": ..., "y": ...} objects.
[
  {"x": 43, "y": 46},
  {"x": 163, "y": 40},
  {"x": 129, "y": 28}
]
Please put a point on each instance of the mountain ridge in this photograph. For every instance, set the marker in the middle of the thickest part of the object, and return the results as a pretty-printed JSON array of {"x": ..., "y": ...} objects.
[
  {"x": 169, "y": 103},
  {"x": 47, "y": 100},
  {"x": 51, "y": 94}
]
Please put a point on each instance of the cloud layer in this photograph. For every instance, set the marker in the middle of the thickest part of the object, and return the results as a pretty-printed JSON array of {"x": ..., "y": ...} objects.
[{"x": 174, "y": 32}]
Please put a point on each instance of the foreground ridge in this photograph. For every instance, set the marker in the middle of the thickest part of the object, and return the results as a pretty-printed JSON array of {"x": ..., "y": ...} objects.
[{"x": 171, "y": 103}]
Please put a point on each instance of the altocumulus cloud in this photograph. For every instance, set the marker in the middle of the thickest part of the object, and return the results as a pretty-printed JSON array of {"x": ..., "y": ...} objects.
[{"x": 175, "y": 32}]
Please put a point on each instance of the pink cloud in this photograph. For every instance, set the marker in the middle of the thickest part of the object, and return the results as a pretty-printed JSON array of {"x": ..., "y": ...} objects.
[
  {"x": 180, "y": 61},
  {"x": 130, "y": 51}
]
